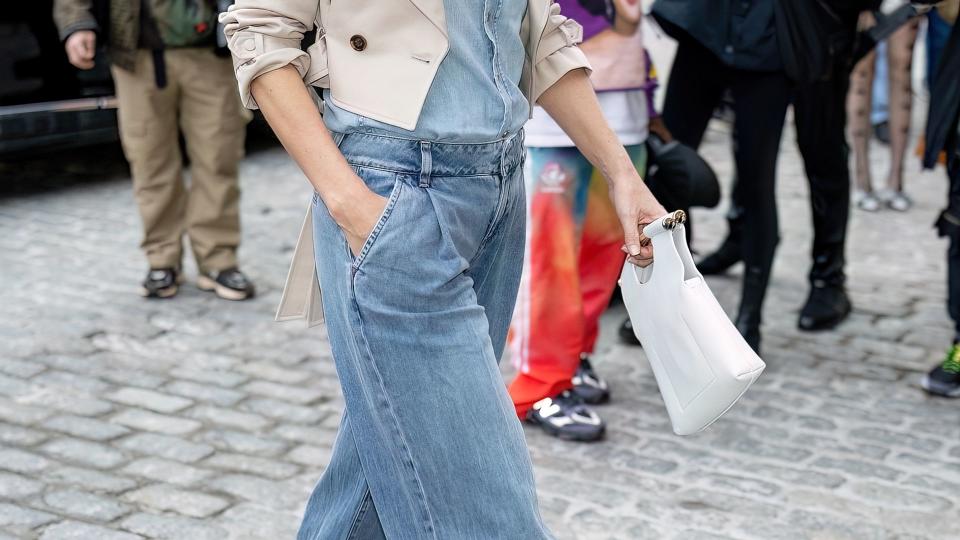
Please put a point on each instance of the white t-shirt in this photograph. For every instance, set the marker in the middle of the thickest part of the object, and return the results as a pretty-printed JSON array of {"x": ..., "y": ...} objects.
[{"x": 625, "y": 111}]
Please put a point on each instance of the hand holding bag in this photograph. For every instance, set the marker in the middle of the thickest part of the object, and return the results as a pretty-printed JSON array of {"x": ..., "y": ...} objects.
[{"x": 701, "y": 363}]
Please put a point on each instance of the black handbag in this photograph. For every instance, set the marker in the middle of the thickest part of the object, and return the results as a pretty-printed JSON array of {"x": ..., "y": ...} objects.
[{"x": 678, "y": 177}]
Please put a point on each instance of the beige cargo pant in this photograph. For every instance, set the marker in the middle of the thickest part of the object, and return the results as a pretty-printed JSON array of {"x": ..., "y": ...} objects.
[{"x": 200, "y": 100}]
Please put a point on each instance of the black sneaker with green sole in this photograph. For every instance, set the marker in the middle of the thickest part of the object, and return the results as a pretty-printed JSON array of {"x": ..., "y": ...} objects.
[{"x": 944, "y": 380}]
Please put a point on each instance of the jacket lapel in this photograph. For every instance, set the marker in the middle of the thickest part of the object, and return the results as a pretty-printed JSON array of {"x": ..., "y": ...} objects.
[{"x": 433, "y": 10}]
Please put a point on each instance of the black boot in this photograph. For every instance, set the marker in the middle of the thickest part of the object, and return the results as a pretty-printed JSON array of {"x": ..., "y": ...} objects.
[
  {"x": 826, "y": 307},
  {"x": 729, "y": 252},
  {"x": 751, "y": 305},
  {"x": 718, "y": 262},
  {"x": 827, "y": 304},
  {"x": 749, "y": 328}
]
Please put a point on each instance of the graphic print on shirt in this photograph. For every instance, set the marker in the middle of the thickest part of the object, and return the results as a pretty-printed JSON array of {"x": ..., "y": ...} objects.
[{"x": 553, "y": 179}]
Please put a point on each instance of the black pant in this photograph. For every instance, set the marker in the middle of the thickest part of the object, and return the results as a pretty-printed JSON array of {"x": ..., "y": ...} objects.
[
  {"x": 698, "y": 80},
  {"x": 949, "y": 225},
  {"x": 819, "y": 111},
  {"x": 820, "y": 117}
]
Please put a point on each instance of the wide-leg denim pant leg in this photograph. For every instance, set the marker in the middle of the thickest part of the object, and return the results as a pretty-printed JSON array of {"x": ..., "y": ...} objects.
[{"x": 429, "y": 445}]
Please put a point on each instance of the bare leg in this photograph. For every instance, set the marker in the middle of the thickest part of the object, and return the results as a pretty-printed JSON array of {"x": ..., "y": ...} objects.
[
  {"x": 858, "y": 115},
  {"x": 899, "y": 60}
]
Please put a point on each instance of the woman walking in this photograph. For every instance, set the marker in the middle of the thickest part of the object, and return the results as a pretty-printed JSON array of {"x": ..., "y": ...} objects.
[{"x": 418, "y": 228}]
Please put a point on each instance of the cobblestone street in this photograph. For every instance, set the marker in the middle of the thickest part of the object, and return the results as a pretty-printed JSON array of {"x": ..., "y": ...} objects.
[{"x": 197, "y": 418}]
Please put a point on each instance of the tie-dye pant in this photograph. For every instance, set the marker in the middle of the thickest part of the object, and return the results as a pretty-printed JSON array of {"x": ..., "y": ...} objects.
[{"x": 571, "y": 265}]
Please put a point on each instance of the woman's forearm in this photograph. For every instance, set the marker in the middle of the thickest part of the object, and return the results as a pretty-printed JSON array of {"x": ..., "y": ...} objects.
[
  {"x": 573, "y": 104},
  {"x": 293, "y": 115}
]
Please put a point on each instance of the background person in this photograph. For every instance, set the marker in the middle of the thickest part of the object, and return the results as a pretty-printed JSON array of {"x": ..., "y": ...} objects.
[
  {"x": 899, "y": 49},
  {"x": 731, "y": 44},
  {"x": 820, "y": 121},
  {"x": 573, "y": 255},
  {"x": 168, "y": 80},
  {"x": 943, "y": 135}
]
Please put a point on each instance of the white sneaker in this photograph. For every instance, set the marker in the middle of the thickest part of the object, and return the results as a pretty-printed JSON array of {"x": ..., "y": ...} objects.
[
  {"x": 866, "y": 201},
  {"x": 896, "y": 200}
]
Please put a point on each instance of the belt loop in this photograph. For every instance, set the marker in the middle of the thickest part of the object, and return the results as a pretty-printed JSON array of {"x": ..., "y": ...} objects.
[{"x": 426, "y": 164}]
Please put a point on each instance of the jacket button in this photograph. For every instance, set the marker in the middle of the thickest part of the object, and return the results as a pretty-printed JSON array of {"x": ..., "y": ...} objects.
[{"x": 358, "y": 42}]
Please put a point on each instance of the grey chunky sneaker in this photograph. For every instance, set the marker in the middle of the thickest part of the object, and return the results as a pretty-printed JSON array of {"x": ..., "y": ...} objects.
[{"x": 565, "y": 416}]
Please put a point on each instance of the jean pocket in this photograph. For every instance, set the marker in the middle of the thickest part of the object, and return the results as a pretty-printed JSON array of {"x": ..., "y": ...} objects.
[{"x": 392, "y": 197}]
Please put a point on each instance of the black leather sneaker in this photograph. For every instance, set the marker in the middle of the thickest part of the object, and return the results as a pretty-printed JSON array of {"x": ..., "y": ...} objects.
[
  {"x": 588, "y": 385},
  {"x": 566, "y": 417},
  {"x": 230, "y": 284},
  {"x": 161, "y": 283}
]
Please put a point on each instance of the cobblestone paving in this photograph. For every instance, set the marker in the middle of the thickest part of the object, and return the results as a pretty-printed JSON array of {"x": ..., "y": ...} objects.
[{"x": 195, "y": 418}]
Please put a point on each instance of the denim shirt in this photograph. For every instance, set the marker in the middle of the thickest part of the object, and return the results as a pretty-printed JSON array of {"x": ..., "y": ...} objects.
[{"x": 476, "y": 95}]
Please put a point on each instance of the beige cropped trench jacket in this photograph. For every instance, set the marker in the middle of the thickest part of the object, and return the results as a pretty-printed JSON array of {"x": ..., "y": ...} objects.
[{"x": 378, "y": 58}]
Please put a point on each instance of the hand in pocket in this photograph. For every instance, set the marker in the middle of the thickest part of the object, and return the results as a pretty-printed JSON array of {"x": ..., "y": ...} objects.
[
  {"x": 353, "y": 205},
  {"x": 360, "y": 219}
]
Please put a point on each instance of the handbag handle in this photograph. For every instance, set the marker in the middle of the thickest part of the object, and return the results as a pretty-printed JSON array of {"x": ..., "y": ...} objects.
[
  {"x": 665, "y": 223},
  {"x": 666, "y": 260},
  {"x": 671, "y": 256}
]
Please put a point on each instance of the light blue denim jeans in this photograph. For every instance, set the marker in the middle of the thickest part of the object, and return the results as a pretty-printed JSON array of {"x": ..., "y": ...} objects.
[{"x": 429, "y": 444}]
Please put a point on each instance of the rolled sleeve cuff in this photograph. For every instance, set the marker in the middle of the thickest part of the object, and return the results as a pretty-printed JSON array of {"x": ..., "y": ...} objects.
[
  {"x": 255, "y": 54},
  {"x": 549, "y": 70},
  {"x": 558, "y": 53},
  {"x": 77, "y": 27}
]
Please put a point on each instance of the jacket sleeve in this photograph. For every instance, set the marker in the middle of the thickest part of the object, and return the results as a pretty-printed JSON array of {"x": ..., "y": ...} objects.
[
  {"x": 72, "y": 16},
  {"x": 265, "y": 35},
  {"x": 557, "y": 53}
]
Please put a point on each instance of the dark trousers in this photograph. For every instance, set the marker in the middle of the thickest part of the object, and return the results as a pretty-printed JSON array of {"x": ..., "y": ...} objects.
[
  {"x": 820, "y": 118},
  {"x": 949, "y": 225},
  {"x": 698, "y": 80}
]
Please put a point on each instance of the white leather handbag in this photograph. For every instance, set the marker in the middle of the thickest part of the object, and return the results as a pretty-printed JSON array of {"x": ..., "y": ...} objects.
[{"x": 701, "y": 362}]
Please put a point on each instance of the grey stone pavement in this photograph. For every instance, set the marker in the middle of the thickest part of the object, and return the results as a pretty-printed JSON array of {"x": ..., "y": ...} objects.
[{"x": 196, "y": 418}]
